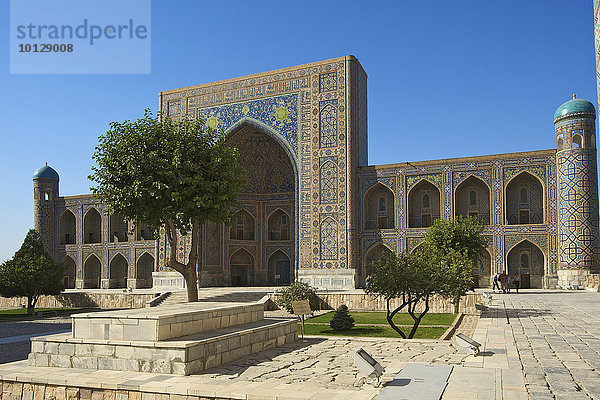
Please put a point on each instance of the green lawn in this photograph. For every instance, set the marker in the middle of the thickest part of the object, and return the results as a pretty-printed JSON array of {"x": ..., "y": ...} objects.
[
  {"x": 380, "y": 318},
  {"x": 374, "y": 324},
  {"x": 16, "y": 313},
  {"x": 370, "y": 331}
]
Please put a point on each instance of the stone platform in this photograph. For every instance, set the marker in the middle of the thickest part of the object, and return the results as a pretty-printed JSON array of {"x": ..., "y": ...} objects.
[{"x": 180, "y": 339}]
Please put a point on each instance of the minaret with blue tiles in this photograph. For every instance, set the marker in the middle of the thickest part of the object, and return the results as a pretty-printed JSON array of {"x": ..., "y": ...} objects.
[
  {"x": 45, "y": 190},
  {"x": 577, "y": 192}
]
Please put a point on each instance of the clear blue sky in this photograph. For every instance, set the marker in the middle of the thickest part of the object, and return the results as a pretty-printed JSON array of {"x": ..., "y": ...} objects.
[{"x": 446, "y": 79}]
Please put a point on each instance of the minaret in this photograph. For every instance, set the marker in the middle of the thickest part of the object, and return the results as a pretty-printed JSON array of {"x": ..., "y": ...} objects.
[
  {"x": 45, "y": 190},
  {"x": 577, "y": 192}
]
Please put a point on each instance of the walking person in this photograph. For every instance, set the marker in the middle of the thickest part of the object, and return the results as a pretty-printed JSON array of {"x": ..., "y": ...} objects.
[
  {"x": 517, "y": 283},
  {"x": 496, "y": 285},
  {"x": 502, "y": 278},
  {"x": 507, "y": 283}
]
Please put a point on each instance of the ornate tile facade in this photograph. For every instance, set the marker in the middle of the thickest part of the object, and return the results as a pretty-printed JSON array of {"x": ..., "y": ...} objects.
[{"x": 302, "y": 136}]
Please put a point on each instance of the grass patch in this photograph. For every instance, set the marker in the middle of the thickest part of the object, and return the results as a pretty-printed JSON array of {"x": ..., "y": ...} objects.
[
  {"x": 370, "y": 331},
  {"x": 16, "y": 313},
  {"x": 380, "y": 318}
]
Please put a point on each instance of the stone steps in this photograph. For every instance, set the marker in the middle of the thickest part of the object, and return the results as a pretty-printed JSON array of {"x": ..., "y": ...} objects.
[
  {"x": 176, "y": 339},
  {"x": 181, "y": 356},
  {"x": 217, "y": 296}
]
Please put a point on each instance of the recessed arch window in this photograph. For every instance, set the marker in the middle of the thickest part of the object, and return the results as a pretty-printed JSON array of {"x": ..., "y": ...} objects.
[
  {"x": 242, "y": 226},
  {"x": 382, "y": 204},
  {"x": 92, "y": 227},
  {"x": 279, "y": 226},
  {"x": 577, "y": 141},
  {"x": 523, "y": 196},
  {"x": 423, "y": 205},
  {"x": 425, "y": 200},
  {"x": 472, "y": 198},
  {"x": 524, "y": 200},
  {"x": 560, "y": 144},
  {"x": 378, "y": 208},
  {"x": 524, "y": 260}
]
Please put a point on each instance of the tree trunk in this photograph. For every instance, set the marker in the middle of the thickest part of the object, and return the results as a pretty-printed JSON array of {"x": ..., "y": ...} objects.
[
  {"x": 187, "y": 270},
  {"x": 417, "y": 320},
  {"x": 390, "y": 316},
  {"x": 30, "y": 306}
]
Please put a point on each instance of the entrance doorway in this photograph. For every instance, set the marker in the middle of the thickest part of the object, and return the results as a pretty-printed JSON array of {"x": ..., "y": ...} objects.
[{"x": 239, "y": 275}]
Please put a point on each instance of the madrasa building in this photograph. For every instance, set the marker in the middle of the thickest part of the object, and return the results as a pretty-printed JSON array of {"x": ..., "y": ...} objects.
[{"x": 315, "y": 210}]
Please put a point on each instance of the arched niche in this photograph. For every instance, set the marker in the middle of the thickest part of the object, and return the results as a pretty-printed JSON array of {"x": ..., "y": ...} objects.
[
  {"x": 279, "y": 270},
  {"x": 279, "y": 226},
  {"x": 144, "y": 268},
  {"x": 423, "y": 205},
  {"x": 70, "y": 272},
  {"x": 378, "y": 209},
  {"x": 91, "y": 272},
  {"x": 117, "y": 272},
  {"x": 472, "y": 199},
  {"x": 527, "y": 260},
  {"x": 241, "y": 265},
  {"x": 242, "y": 226},
  {"x": 117, "y": 229},
  {"x": 67, "y": 230},
  {"x": 92, "y": 226},
  {"x": 524, "y": 200},
  {"x": 141, "y": 232}
]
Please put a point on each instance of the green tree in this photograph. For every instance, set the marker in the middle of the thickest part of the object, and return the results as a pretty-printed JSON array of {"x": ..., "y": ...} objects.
[
  {"x": 297, "y": 291},
  {"x": 459, "y": 244},
  {"x": 441, "y": 265},
  {"x": 31, "y": 272},
  {"x": 172, "y": 173}
]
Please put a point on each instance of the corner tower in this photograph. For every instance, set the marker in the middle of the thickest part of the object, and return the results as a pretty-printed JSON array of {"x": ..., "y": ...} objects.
[
  {"x": 577, "y": 191},
  {"x": 45, "y": 190}
]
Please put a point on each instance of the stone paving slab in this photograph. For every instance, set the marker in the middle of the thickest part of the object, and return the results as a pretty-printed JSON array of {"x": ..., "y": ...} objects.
[{"x": 557, "y": 334}]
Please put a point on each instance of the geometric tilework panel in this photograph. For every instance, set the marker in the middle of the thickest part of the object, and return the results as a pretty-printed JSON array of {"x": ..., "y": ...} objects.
[
  {"x": 329, "y": 180},
  {"x": 577, "y": 208},
  {"x": 279, "y": 112},
  {"x": 329, "y": 243},
  {"x": 328, "y": 125}
]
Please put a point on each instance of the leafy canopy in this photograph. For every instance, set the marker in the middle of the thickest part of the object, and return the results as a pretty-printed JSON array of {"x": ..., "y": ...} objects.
[
  {"x": 157, "y": 169},
  {"x": 442, "y": 265},
  {"x": 31, "y": 272}
]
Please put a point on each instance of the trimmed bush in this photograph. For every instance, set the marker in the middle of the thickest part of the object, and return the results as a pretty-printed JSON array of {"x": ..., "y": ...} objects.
[{"x": 342, "y": 320}]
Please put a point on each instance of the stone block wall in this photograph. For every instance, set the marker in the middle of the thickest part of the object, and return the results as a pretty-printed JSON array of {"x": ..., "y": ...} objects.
[
  {"x": 593, "y": 282},
  {"x": 167, "y": 357},
  {"x": 81, "y": 299},
  {"x": 365, "y": 302}
]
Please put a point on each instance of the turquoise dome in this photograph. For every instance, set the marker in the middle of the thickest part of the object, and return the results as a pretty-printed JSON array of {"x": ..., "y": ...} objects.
[
  {"x": 575, "y": 106},
  {"x": 45, "y": 172}
]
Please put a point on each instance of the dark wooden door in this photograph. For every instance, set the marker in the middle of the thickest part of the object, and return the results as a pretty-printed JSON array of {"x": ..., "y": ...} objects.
[{"x": 525, "y": 284}]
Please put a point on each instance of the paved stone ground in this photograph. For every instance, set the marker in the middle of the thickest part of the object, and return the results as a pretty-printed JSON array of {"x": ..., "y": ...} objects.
[
  {"x": 557, "y": 335},
  {"x": 329, "y": 363},
  {"x": 19, "y": 351}
]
